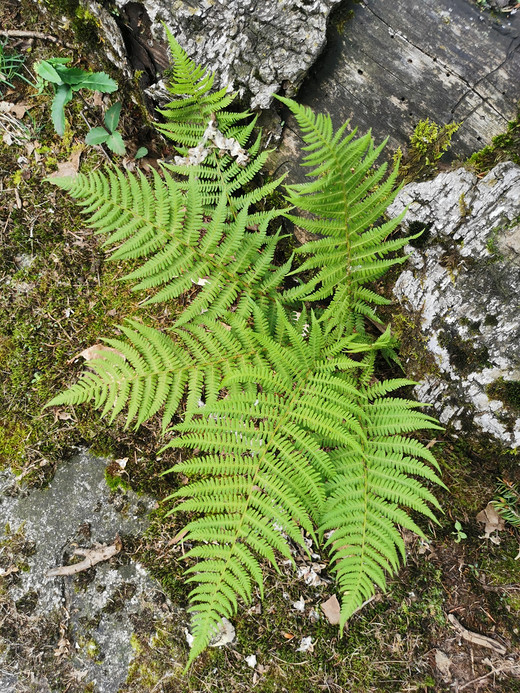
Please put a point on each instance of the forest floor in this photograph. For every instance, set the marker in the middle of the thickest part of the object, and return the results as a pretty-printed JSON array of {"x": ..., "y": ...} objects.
[{"x": 59, "y": 295}]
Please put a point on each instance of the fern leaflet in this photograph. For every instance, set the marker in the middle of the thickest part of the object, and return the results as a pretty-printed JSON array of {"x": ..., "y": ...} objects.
[{"x": 151, "y": 370}]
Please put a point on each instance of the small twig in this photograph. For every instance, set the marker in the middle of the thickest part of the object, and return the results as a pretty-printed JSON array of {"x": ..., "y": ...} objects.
[
  {"x": 476, "y": 638},
  {"x": 92, "y": 557},
  {"x": 15, "y": 33},
  {"x": 485, "y": 676}
]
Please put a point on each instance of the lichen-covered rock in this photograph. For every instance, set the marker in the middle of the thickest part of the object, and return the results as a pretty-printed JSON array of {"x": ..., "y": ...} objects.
[
  {"x": 83, "y": 623},
  {"x": 463, "y": 286},
  {"x": 254, "y": 47}
]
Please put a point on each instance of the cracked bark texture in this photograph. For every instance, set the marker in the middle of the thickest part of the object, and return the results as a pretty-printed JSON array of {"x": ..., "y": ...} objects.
[
  {"x": 254, "y": 47},
  {"x": 463, "y": 289},
  {"x": 388, "y": 65}
]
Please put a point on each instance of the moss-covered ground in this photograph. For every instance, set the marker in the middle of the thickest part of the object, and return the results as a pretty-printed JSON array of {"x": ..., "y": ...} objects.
[{"x": 60, "y": 295}]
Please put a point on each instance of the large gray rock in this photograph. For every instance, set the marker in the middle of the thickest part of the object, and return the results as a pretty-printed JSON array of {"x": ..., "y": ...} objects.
[
  {"x": 463, "y": 288},
  {"x": 389, "y": 64},
  {"x": 84, "y": 623},
  {"x": 254, "y": 47}
]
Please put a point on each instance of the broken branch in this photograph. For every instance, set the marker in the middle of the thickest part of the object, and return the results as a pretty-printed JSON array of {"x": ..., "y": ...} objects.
[
  {"x": 476, "y": 638},
  {"x": 92, "y": 556}
]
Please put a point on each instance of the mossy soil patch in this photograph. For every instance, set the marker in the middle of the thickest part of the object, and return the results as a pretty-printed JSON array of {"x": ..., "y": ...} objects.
[{"x": 58, "y": 296}]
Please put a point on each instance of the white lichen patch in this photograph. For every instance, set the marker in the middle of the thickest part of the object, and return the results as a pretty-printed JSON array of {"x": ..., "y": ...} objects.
[{"x": 464, "y": 288}]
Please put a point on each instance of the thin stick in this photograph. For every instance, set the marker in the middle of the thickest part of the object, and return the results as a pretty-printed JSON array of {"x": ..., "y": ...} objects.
[
  {"x": 482, "y": 678},
  {"x": 15, "y": 33}
]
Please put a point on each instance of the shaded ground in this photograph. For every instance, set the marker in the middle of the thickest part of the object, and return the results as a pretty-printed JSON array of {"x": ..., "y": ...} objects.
[{"x": 58, "y": 296}]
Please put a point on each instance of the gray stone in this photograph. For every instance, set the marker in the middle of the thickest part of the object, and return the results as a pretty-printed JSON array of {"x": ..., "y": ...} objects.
[
  {"x": 389, "y": 64},
  {"x": 254, "y": 47},
  {"x": 97, "y": 606},
  {"x": 464, "y": 288}
]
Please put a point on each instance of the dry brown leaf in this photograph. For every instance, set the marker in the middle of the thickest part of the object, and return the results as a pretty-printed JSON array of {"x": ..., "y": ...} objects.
[
  {"x": 62, "y": 415},
  {"x": 443, "y": 664},
  {"x": 69, "y": 167},
  {"x": 178, "y": 537},
  {"x": 8, "y": 571},
  {"x": 63, "y": 648},
  {"x": 492, "y": 521},
  {"x": 16, "y": 109},
  {"x": 331, "y": 609},
  {"x": 96, "y": 351}
]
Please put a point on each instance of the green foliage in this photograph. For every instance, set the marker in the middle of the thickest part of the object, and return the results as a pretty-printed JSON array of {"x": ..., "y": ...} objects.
[
  {"x": 108, "y": 134},
  {"x": 187, "y": 121},
  {"x": 343, "y": 204},
  {"x": 507, "y": 502},
  {"x": 67, "y": 80},
  {"x": 11, "y": 64},
  {"x": 428, "y": 143},
  {"x": 291, "y": 432},
  {"x": 167, "y": 222},
  {"x": 504, "y": 147},
  {"x": 458, "y": 533}
]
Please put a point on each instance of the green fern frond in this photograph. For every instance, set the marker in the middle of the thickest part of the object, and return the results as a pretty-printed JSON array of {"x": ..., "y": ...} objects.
[
  {"x": 266, "y": 458},
  {"x": 163, "y": 222},
  {"x": 345, "y": 201},
  {"x": 293, "y": 432},
  {"x": 188, "y": 115},
  {"x": 150, "y": 371},
  {"x": 187, "y": 118},
  {"x": 366, "y": 497}
]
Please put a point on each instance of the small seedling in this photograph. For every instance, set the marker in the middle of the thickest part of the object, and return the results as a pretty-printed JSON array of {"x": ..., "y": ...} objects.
[
  {"x": 458, "y": 533},
  {"x": 11, "y": 65},
  {"x": 108, "y": 134},
  {"x": 142, "y": 151},
  {"x": 67, "y": 80}
]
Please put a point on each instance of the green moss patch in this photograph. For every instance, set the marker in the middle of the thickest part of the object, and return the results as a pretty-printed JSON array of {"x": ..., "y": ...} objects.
[{"x": 507, "y": 391}]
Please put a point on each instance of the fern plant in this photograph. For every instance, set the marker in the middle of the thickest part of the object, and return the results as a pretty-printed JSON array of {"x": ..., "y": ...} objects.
[{"x": 294, "y": 433}]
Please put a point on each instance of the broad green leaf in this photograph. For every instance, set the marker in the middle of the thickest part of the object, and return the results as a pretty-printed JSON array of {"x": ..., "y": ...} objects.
[
  {"x": 115, "y": 144},
  {"x": 62, "y": 97},
  {"x": 112, "y": 117},
  {"x": 58, "y": 61},
  {"x": 97, "y": 136},
  {"x": 47, "y": 72},
  {"x": 99, "y": 81},
  {"x": 71, "y": 75}
]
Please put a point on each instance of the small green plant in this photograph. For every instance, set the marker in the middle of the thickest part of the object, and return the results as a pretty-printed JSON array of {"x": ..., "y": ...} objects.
[
  {"x": 67, "y": 80},
  {"x": 11, "y": 65},
  {"x": 431, "y": 140},
  {"x": 428, "y": 143},
  {"x": 458, "y": 533},
  {"x": 108, "y": 135},
  {"x": 141, "y": 152}
]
